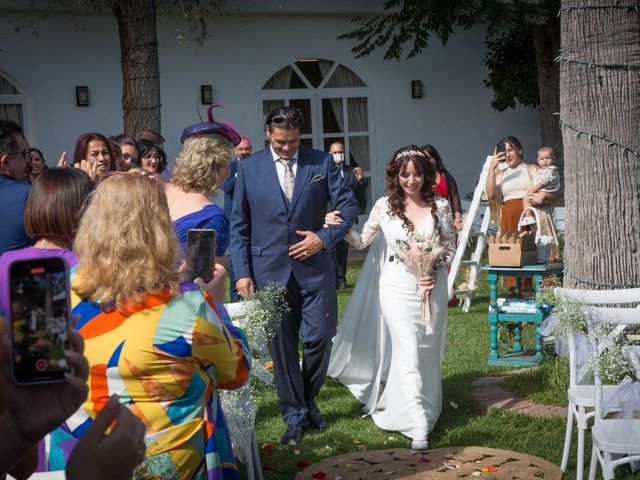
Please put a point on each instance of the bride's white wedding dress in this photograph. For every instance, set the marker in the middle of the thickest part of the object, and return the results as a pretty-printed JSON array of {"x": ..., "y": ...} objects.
[{"x": 382, "y": 351}]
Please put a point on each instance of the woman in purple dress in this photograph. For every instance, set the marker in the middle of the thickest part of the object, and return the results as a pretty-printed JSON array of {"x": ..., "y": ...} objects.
[{"x": 51, "y": 217}]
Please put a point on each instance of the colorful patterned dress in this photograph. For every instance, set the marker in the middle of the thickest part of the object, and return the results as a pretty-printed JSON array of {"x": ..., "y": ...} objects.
[{"x": 166, "y": 360}]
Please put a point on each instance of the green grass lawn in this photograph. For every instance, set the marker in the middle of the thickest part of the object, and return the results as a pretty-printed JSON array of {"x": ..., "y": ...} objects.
[{"x": 462, "y": 422}]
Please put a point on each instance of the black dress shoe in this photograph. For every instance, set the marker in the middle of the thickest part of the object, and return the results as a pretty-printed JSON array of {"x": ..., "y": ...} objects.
[
  {"x": 342, "y": 284},
  {"x": 314, "y": 416},
  {"x": 292, "y": 435}
]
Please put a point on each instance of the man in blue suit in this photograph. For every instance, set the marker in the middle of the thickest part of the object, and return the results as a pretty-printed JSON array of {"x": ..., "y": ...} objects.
[
  {"x": 277, "y": 235},
  {"x": 353, "y": 179},
  {"x": 242, "y": 151}
]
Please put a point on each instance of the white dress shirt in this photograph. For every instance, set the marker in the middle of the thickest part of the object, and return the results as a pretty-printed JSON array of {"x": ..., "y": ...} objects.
[{"x": 280, "y": 167}]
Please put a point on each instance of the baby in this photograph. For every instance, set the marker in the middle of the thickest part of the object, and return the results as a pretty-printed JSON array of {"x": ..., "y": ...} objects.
[{"x": 546, "y": 180}]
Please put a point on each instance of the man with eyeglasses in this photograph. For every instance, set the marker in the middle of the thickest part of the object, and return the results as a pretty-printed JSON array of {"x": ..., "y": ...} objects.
[
  {"x": 14, "y": 187},
  {"x": 277, "y": 236}
]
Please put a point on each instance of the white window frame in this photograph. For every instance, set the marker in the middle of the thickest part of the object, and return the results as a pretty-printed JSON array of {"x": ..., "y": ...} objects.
[{"x": 20, "y": 99}]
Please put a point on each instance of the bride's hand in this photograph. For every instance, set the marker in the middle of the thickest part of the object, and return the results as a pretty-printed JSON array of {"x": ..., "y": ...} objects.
[
  {"x": 332, "y": 218},
  {"x": 428, "y": 282}
]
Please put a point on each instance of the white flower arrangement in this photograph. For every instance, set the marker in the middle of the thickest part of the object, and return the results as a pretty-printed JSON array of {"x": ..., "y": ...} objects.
[
  {"x": 262, "y": 313},
  {"x": 614, "y": 358},
  {"x": 259, "y": 317},
  {"x": 568, "y": 315}
]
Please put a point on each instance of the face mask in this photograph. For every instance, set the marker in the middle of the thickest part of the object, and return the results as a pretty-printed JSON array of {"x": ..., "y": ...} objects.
[{"x": 338, "y": 157}]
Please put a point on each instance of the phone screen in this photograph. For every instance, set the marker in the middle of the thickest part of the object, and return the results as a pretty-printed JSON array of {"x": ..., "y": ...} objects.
[
  {"x": 201, "y": 253},
  {"x": 39, "y": 299}
]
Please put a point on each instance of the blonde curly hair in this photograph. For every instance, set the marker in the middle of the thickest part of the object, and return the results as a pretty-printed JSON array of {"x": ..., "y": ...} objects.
[
  {"x": 125, "y": 244},
  {"x": 199, "y": 165}
]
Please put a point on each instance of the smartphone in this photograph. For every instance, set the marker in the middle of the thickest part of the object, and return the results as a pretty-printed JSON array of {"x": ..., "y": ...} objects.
[
  {"x": 201, "y": 253},
  {"x": 40, "y": 319},
  {"x": 501, "y": 148}
]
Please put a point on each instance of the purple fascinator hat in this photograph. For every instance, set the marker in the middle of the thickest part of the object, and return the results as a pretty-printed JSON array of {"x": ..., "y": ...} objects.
[{"x": 217, "y": 127}]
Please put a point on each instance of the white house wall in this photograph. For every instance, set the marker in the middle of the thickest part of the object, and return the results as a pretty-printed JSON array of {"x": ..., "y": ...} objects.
[{"x": 244, "y": 51}]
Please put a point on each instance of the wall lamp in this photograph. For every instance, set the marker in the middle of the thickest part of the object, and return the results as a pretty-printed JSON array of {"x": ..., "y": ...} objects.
[
  {"x": 82, "y": 96},
  {"x": 416, "y": 88},
  {"x": 206, "y": 94}
]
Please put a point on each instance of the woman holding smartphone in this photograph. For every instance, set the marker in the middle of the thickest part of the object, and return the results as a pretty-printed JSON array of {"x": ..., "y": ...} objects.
[
  {"x": 201, "y": 166},
  {"x": 508, "y": 180},
  {"x": 162, "y": 346}
]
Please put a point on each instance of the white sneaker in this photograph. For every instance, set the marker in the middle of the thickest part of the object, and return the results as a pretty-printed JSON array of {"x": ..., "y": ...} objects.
[
  {"x": 419, "y": 444},
  {"x": 527, "y": 221}
]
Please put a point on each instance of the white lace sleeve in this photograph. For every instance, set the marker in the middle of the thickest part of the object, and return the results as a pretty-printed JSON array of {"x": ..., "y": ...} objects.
[
  {"x": 445, "y": 223},
  {"x": 371, "y": 227}
]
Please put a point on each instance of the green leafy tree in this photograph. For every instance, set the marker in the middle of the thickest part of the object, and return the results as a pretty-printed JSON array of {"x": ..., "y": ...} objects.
[{"x": 523, "y": 40}]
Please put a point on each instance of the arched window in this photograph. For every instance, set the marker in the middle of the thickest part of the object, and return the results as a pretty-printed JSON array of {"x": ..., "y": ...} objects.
[
  {"x": 335, "y": 102},
  {"x": 11, "y": 102}
]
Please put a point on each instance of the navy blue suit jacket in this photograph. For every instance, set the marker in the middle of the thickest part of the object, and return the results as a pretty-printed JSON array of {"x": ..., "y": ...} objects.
[
  {"x": 229, "y": 187},
  {"x": 264, "y": 222}
]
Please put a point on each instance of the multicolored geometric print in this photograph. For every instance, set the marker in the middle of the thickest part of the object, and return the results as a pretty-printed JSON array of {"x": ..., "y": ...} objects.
[{"x": 166, "y": 359}]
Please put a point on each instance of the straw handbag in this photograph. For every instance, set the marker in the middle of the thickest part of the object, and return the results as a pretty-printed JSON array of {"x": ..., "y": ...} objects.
[{"x": 543, "y": 242}]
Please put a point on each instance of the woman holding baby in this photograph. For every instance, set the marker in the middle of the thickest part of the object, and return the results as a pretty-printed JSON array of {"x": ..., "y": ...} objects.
[{"x": 513, "y": 185}]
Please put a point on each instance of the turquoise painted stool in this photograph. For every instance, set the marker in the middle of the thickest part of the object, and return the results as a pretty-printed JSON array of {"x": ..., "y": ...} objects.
[{"x": 517, "y": 313}]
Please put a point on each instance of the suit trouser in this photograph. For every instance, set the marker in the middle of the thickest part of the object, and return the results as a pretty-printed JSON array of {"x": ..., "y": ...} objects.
[
  {"x": 313, "y": 316},
  {"x": 340, "y": 257},
  {"x": 234, "y": 296}
]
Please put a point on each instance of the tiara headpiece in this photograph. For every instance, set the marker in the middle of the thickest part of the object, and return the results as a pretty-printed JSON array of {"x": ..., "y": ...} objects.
[{"x": 409, "y": 153}]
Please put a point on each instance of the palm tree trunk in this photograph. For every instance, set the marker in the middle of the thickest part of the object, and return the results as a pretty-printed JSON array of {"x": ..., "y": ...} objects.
[
  {"x": 600, "y": 111},
  {"x": 140, "y": 65},
  {"x": 546, "y": 39}
]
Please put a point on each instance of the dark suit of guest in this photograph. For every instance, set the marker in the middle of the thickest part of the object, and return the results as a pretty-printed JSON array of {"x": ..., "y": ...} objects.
[
  {"x": 358, "y": 187},
  {"x": 229, "y": 187},
  {"x": 263, "y": 227}
]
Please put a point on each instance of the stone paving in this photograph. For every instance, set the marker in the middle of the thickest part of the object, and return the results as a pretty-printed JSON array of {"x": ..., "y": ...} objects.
[
  {"x": 452, "y": 463},
  {"x": 491, "y": 394}
]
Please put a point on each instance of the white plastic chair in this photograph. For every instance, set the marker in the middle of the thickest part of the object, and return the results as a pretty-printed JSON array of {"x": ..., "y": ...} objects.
[
  {"x": 613, "y": 437},
  {"x": 582, "y": 397}
]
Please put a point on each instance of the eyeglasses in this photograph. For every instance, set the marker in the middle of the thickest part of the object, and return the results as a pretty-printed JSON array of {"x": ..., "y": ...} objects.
[
  {"x": 150, "y": 156},
  {"x": 25, "y": 154}
]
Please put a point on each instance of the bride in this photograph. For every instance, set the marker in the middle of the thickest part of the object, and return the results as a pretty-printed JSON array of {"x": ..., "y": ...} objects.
[{"x": 382, "y": 351}]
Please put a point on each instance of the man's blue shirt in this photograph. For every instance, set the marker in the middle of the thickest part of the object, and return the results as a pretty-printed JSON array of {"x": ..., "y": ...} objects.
[{"x": 13, "y": 196}]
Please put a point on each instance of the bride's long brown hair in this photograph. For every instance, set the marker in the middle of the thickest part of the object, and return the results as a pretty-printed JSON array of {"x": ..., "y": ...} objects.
[{"x": 398, "y": 164}]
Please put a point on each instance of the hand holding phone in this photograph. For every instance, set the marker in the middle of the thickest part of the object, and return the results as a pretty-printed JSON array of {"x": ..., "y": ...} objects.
[
  {"x": 40, "y": 320},
  {"x": 38, "y": 408},
  {"x": 217, "y": 286},
  {"x": 201, "y": 253},
  {"x": 501, "y": 150}
]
